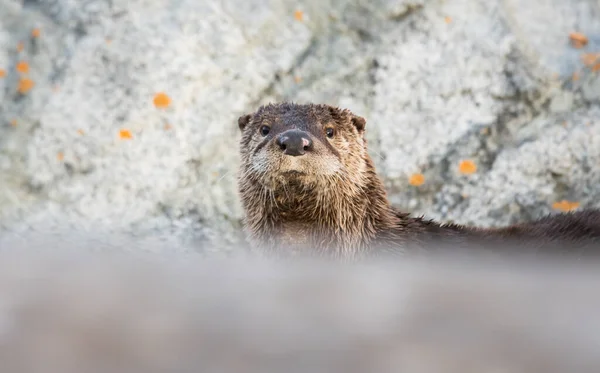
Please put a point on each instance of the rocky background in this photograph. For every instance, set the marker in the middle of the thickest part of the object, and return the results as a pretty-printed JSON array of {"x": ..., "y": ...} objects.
[{"x": 118, "y": 117}]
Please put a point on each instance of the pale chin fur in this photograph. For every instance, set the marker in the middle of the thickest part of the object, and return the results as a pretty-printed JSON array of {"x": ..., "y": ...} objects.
[{"x": 316, "y": 165}]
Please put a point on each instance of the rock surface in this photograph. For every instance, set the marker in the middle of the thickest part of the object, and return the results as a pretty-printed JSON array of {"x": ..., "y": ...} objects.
[
  {"x": 496, "y": 82},
  {"x": 69, "y": 313}
]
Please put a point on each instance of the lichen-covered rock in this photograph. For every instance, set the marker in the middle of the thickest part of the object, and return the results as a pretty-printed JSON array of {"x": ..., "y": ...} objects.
[
  {"x": 109, "y": 153},
  {"x": 130, "y": 125},
  {"x": 470, "y": 81},
  {"x": 560, "y": 163}
]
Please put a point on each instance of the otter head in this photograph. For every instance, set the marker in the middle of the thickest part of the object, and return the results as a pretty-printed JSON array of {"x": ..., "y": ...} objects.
[
  {"x": 289, "y": 144},
  {"x": 306, "y": 176}
]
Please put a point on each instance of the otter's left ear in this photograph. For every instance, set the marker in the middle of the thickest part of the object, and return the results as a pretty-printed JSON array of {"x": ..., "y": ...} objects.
[
  {"x": 359, "y": 122},
  {"x": 243, "y": 121}
]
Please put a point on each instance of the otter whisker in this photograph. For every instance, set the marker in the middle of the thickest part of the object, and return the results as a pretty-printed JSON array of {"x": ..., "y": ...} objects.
[{"x": 222, "y": 177}]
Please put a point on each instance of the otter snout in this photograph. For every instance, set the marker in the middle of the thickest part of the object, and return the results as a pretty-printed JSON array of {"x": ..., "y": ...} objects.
[{"x": 294, "y": 142}]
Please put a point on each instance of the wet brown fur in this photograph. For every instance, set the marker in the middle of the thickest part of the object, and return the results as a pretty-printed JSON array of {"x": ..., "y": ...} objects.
[{"x": 331, "y": 200}]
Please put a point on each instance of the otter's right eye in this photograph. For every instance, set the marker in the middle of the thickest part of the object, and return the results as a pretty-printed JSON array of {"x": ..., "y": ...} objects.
[{"x": 264, "y": 130}]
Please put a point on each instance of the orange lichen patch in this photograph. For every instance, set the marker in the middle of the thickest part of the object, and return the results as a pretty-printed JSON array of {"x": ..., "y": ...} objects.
[
  {"x": 297, "y": 79},
  {"x": 2, "y": 73},
  {"x": 578, "y": 40},
  {"x": 161, "y": 100},
  {"x": 467, "y": 167},
  {"x": 596, "y": 67},
  {"x": 108, "y": 40},
  {"x": 22, "y": 67},
  {"x": 575, "y": 76},
  {"x": 565, "y": 206},
  {"x": 60, "y": 156},
  {"x": 448, "y": 19},
  {"x": 168, "y": 126},
  {"x": 299, "y": 15},
  {"x": 35, "y": 33},
  {"x": 485, "y": 131},
  {"x": 20, "y": 46},
  {"x": 25, "y": 85},
  {"x": 125, "y": 134},
  {"x": 590, "y": 59},
  {"x": 13, "y": 122},
  {"x": 416, "y": 179},
  {"x": 80, "y": 132}
]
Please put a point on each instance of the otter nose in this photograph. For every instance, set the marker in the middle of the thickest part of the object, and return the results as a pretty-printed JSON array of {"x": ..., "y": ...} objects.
[{"x": 294, "y": 142}]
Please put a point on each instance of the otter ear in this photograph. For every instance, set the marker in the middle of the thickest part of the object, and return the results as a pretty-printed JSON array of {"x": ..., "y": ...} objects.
[
  {"x": 243, "y": 121},
  {"x": 359, "y": 122}
]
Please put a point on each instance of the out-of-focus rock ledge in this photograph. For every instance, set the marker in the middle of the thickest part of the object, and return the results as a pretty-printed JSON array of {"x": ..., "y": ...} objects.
[{"x": 496, "y": 82}]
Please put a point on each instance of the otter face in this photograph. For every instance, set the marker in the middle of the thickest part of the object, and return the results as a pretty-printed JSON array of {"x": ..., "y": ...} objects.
[{"x": 301, "y": 144}]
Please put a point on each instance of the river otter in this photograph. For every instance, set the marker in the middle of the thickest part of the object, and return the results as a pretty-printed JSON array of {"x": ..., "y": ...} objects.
[{"x": 307, "y": 184}]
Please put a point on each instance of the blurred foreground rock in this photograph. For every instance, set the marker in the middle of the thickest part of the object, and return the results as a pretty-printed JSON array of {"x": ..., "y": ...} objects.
[
  {"x": 497, "y": 82},
  {"x": 68, "y": 311}
]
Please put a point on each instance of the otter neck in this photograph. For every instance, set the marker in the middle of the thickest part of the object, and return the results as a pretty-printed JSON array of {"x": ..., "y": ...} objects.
[{"x": 326, "y": 219}]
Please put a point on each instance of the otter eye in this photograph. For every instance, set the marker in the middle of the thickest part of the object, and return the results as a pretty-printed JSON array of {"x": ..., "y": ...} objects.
[
  {"x": 264, "y": 130},
  {"x": 329, "y": 132}
]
